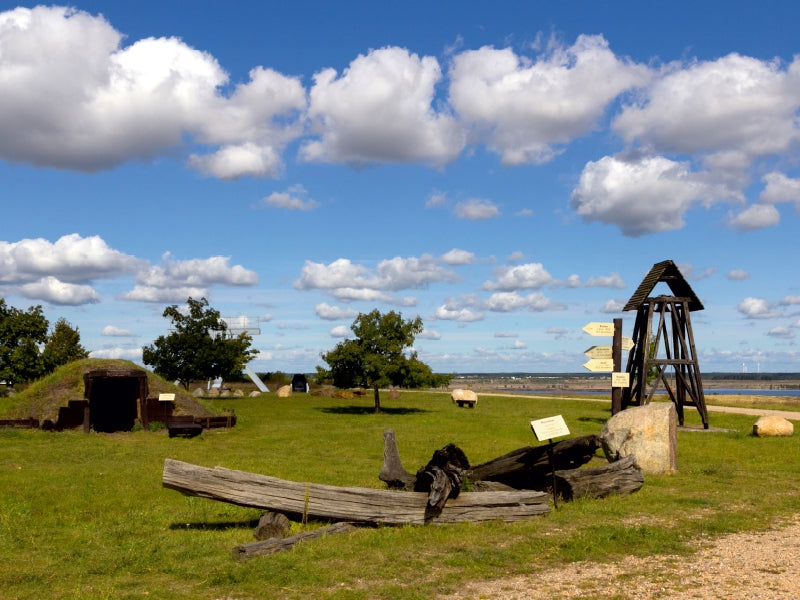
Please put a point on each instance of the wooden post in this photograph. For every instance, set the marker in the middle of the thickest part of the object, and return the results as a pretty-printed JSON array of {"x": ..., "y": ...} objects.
[
  {"x": 616, "y": 354},
  {"x": 553, "y": 471}
]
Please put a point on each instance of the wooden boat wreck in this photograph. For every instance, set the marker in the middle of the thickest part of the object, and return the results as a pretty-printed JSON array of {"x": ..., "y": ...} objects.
[{"x": 350, "y": 504}]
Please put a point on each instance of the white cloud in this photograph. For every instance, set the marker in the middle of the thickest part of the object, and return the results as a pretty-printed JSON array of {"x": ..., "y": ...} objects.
[
  {"x": 347, "y": 281},
  {"x": 640, "y": 195},
  {"x": 733, "y": 106},
  {"x": 112, "y": 331},
  {"x": 506, "y": 334},
  {"x": 340, "y": 331},
  {"x": 614, "y": 281},
  {"x": 781, "y": 332},
  {"x": 738, "y": 275},
  {"x": 177, "y": 280},
  {"x": 71, "y": 258},
  {"x": 780, "y": 188},
  {"x": 436, "y": 199},
  {"x": 757, "y": 216},
  {"x": 520, "y": 277},
  {"x": 429, "y": 334},
  {"x": 379, "y": 110},
  {"x": 292, "y": 199},
  {"x": 789, "y": 300},
  {"x": 511, "y": 301},
  {"x": 134, "y": 354},
  {"x": 450, "y": 311},
  {"x": 526, "y": 109},
  {"x": 757, "y": 308},
  {"x": 613, "y": 306},
  {"x": 458, "y": 257},
  {"x": 333, "y": 313},
  {"x": 52, "y": 290},
  {"x": 73, "y": 98},
  {"x": 476, "y": 209}
]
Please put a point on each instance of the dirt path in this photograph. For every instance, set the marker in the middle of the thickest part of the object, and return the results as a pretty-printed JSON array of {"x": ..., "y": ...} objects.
[{"x": 741, "y": 566}]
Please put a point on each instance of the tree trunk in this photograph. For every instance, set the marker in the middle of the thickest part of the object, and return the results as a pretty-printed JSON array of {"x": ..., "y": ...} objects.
[
  {"x": 620, "y": 478},
  {"x": 352, "y": 504},
  {"x": 529, "y": 468},
  {"x": 377, "y": 400}
]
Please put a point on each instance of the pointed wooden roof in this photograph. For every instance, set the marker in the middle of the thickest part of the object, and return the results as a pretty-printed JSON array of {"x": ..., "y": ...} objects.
[{"x": 667, "y": 272}]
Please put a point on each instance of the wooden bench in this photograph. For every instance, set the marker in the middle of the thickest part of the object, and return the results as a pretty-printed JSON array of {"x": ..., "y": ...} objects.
[{"x": 183, "y": 426}]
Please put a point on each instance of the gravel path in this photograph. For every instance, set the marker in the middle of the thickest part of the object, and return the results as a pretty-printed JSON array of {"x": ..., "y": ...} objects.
[{"x": 742, "y": 566}]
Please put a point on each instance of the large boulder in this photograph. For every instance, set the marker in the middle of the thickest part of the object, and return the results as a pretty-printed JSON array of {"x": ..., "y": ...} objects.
[
  {"x": 284, "y": 391},
  {"x": 772, "y": 427},
  {"x": 459, "y": 395},
  {"x": 648, "y": 433}
]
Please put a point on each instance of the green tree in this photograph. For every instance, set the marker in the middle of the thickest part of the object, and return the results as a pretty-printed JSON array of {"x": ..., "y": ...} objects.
[
  {"x": 375, "y": 358},
  {"x": 21, "y": 335},
  {"x": 198, "y": 347},
  {"x": 63, "y": 346}
]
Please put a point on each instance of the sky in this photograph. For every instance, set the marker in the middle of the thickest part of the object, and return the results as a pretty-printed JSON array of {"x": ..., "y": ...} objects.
[{"x": 507, "y": 171}]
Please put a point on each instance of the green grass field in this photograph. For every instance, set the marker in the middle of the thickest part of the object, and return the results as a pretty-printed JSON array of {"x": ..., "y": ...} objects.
[{"x": 85, "y": 516}]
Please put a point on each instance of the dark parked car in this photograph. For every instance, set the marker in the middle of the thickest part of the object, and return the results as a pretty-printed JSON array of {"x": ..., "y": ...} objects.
[{"x": 299, "y": 383}]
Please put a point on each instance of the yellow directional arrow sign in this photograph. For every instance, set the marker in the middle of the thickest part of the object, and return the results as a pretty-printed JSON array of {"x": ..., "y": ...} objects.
[
  {"x": 595, "y": 328},
  {"x": 599, "y": 352},
  {"x": 600, "y": 365},
  {"x": 627, "y": 343}
]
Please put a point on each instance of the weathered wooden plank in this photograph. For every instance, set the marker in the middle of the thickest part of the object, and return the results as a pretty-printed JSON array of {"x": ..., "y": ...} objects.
[
  {"x": 354, "y": 504},
  {"x": 619, "y": 478},
  {"x": 275, "y": 544}
]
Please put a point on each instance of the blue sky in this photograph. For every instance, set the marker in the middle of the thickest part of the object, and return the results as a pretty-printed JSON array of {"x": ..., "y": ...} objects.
[{"x": 506, "y": 171}]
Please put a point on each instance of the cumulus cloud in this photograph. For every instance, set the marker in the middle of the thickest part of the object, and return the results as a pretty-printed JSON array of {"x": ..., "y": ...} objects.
[
  {"x": 782, "y": 333},
  {"x": 511, "y": 301},
  {"x": 613, "y": 306},
  {"x": 738, "y": 275},
  {"x": 451, "y": 310},
  {"x": 73, "y": 97},
  {"x": 456, "y": 257},
  {"x": 641, "y": 194},
  {"x": 780, "y": 188},
  {"x": 757, "y": 308},
  {"x": 62, "y": 272},
  {"x": 349, "y": 282},
  {"x": 476, "y": 209},
  {"x": 292, "y": 199},
  {"x": 380, "y": 110},
  {"x": 176, "y": 280},
  {"x": 613, "y": 280},
  {"x": 732, "y": 109},
  {"x": 520, "y": 277},
  {"x": 340, "y": 331},
  {"x": 112, "y": 331},
  {"x": 52, "y": 290},
  {"x": 429, "y": 334},
  {"x": 526, "y": 110},
  {"x": 757, "y": 216},
  {"x": 333, "y": 313}
]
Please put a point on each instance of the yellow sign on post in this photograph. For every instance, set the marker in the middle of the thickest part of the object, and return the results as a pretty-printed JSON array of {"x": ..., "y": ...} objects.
[
  {"x": 596, "y": 328},
  {"x": 600, "y": 365},
  {"x": 620, "y": 380}
]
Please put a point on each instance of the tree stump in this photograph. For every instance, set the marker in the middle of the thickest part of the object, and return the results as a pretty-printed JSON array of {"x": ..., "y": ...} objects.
[{"x": 272, "y": 525}]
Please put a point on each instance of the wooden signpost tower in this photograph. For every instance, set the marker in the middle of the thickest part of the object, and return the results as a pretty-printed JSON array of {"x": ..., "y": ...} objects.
[{"x": 664, "y": 321}]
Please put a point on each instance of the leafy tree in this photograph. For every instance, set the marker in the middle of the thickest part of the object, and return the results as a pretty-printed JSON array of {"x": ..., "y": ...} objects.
[
  {"x": 21, "y": 334},
  {"x": 376, "y": 356},
  {"x": 198, "y": 347},
  {"x": 63, "y": 346}
]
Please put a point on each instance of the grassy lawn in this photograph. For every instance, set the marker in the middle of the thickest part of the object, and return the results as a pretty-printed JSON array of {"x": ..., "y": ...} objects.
[{"x": 85, "y": 516}]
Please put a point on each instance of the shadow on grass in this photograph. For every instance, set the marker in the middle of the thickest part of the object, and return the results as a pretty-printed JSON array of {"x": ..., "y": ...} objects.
[
  {"x": 369, "y": 410},
  {"x": 592, "y": 420},
  {"x": 220, "y": 526}
]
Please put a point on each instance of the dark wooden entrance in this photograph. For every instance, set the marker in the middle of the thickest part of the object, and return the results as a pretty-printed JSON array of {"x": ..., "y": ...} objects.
[
  {"x": 664, "y": 343},
  {"x": 116, "y": 399}
]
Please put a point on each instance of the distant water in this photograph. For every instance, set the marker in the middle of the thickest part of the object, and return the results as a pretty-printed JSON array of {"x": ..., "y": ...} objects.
[{"x": 708, "y": 392}]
